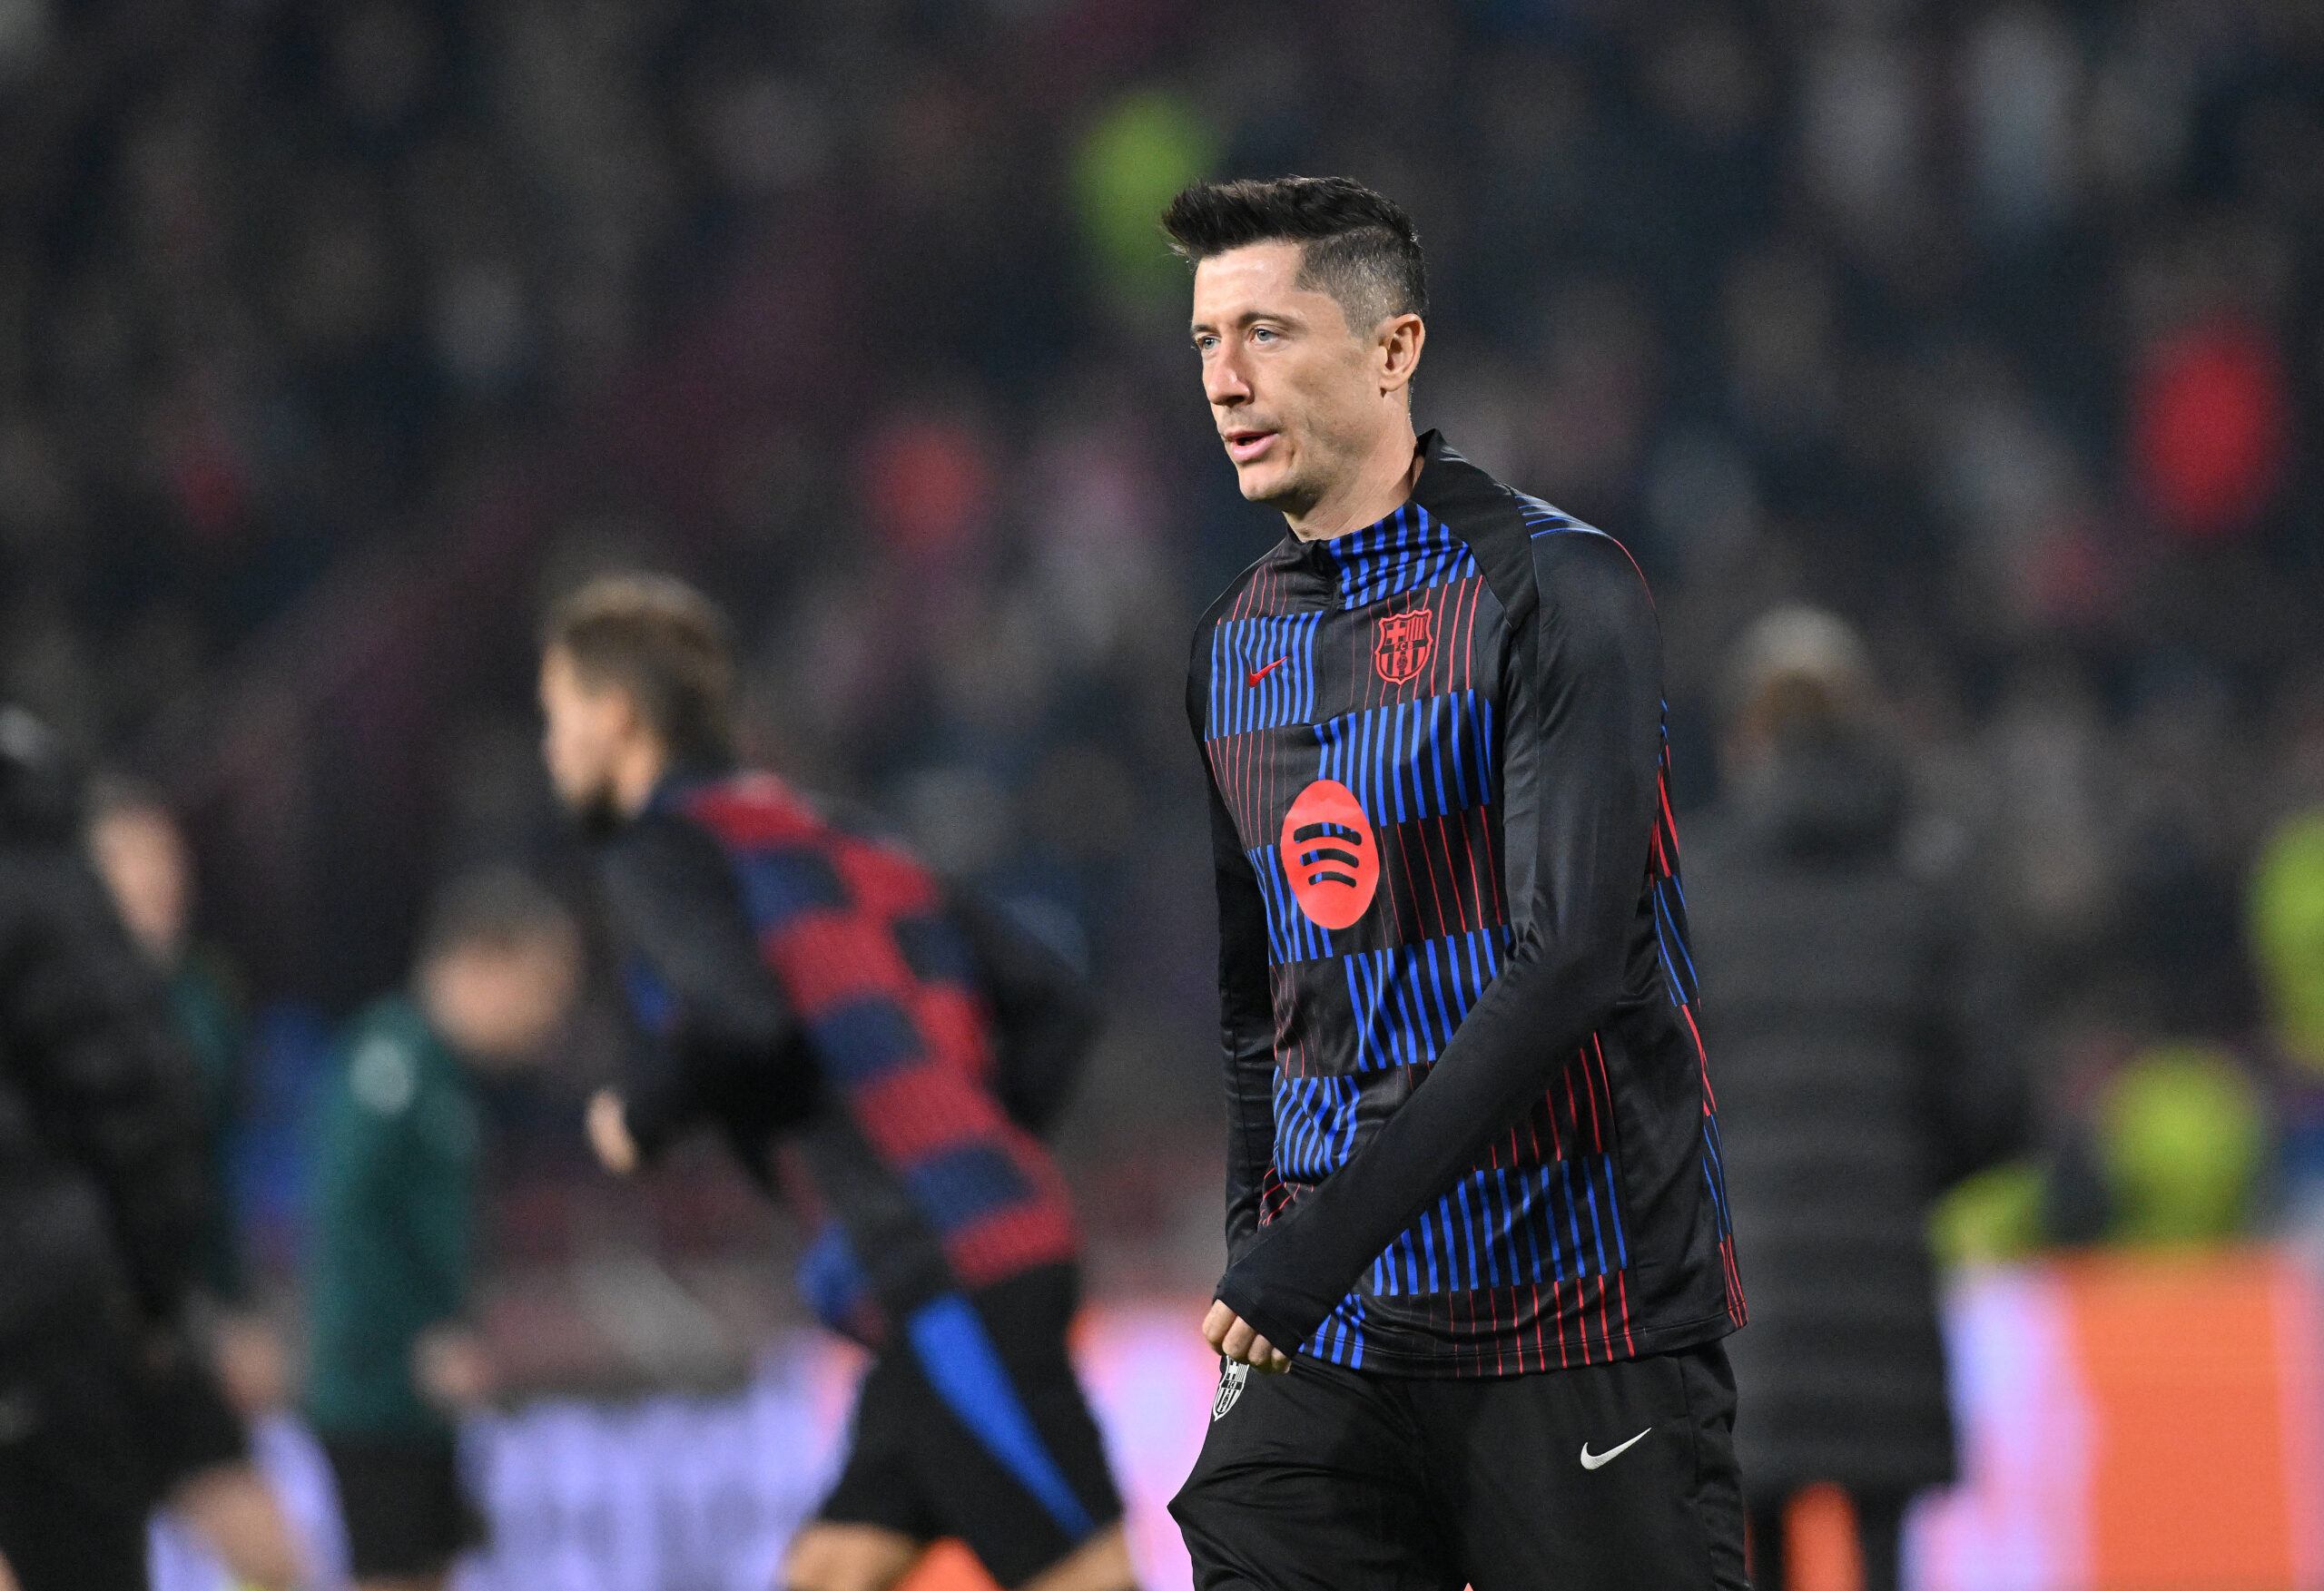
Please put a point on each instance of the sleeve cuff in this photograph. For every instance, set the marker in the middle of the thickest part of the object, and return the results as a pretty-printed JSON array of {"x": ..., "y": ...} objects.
[{"x": 1279, "y": 1323}]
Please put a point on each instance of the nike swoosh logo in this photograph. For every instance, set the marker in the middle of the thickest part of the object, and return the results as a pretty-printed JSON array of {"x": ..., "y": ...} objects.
[
  {"x": 1258, "y": 674},
  {"x": 1591, "y": 1460}
]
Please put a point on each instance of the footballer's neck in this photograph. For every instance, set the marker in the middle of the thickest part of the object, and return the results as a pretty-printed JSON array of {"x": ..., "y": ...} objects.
[{"x": 1378, "y": 487}]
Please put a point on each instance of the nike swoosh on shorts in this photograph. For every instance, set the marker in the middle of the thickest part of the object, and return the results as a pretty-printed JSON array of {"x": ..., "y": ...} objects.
[{"x": 1591, "y": 1460}]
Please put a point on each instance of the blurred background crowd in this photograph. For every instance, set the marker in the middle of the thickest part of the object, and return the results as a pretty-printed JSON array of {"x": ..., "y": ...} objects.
[{"x": 338, "y": 339}]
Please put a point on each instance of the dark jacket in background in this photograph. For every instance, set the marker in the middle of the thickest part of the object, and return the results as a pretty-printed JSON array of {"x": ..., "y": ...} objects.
[
  {"x": 103, "y": 1182},
  {"x": 103, "y": 1196},
  {"x": 1840, "y": 1001}
]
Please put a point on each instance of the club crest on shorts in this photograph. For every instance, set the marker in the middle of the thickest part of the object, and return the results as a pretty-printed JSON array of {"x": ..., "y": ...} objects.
[
  {"x": 1402, "y": 644},
  {"x": 1230, "y": 1387}
]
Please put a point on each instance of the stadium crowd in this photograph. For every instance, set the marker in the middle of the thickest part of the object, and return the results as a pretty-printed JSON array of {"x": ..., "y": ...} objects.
[{"x": 338, "y": 339}]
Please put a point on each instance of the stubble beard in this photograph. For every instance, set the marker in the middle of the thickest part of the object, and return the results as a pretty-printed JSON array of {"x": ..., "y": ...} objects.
[{"x": 1295, "y": 494}]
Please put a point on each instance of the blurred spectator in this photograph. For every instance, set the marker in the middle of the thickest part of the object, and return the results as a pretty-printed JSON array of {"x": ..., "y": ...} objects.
[
  {"x": 2286, "y": 933},
  {"x": 1851, "y": 1088},
  {"x": 1139, "y": 153},
  {"x": 2287, "y": 930},
  {"x": 204, "y": 1476},
  {"x": 397, "y": 1138},
  {"x": 2211, "y": 428},
  {"x": 2182, "y": 1140},
  {"x": 142, "y": 855},
  {"x": 101, "y": 1197}
]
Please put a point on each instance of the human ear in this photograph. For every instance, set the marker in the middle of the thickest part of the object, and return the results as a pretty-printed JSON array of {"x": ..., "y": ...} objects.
[{"x": 1400, "y": 340}]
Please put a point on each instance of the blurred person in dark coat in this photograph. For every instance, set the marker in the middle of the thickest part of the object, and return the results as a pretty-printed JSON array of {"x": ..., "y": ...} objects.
[
  {"x": 1837, "y": 988},
  {"x": 102, "y": 1196},
  {"x": 193, "y": 1428},
  {"x": 141, "y": 852}
]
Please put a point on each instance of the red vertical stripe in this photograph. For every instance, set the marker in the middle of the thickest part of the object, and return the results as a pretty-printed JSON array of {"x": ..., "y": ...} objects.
[
  {"x": 1702, "y": 1059},
  {"x": 1590, "y": 1087}
]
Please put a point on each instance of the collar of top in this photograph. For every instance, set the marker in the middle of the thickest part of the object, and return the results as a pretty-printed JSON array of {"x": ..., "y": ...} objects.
[{"x": 1367, "y": 564}]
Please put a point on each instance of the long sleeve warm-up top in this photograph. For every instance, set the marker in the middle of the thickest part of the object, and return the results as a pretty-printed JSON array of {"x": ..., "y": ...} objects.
[
  {"x": 1470, "y": 1130},
  {"x": 887, "y": 1049}
]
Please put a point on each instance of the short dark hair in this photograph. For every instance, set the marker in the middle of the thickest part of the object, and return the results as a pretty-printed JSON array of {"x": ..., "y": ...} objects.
[
  {"x": 1357, "y": 245},
  {"x": 663, "y": 641},
  {"x": 499, "y": 907}
]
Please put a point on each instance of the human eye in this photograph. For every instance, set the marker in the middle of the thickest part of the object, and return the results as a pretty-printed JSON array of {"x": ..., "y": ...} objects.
[{"x": 1264, "y": 334}]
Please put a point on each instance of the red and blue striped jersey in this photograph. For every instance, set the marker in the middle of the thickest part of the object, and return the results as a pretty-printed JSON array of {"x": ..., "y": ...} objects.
[
  {"x": 926, "y": 1182},
  {"x": 1471, "y": 1123}
]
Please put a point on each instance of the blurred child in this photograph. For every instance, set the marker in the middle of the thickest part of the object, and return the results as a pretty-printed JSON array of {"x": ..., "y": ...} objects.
[{"x": 390, "y": 1361}]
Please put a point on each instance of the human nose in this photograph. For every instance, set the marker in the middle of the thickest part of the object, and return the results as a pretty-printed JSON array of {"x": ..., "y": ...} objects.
[{"x": 1222, "y": 381}]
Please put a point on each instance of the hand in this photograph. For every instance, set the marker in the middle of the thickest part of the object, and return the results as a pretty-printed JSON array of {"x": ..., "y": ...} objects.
[
  {"x": 232, "y": 1508},
  {"x": 452, "y": 1368},
  {"x": 1239, "y": 1341},
  {"x": 609, "y": 1133}
]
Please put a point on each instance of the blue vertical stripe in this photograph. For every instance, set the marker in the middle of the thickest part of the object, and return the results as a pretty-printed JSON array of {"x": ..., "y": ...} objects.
[
  {"x": 1281, "y": 652},
  {"x": 1408, "y": 551},
  {"x": 1408, "y": 999},
  {"x": 1292, "y": 934},
  {"x": 1670, "y": 937},
  {"x": 1315, "y": 1122},
  {"x": 1572, "y": 1215},
  {"x": 1622, "y": 1243},
  {"x": 1504, "y": 1227},
  {"x": 1413, "y": 759}
]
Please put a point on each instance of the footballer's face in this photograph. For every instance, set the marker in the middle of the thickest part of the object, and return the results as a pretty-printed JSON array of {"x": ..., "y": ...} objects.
[
  {"x": 1301, "y": 400},
  {"x": 585, "y": 725}
]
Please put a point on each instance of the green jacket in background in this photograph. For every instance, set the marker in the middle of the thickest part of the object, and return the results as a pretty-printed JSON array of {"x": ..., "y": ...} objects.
[{"x": 392, "y": 1211}]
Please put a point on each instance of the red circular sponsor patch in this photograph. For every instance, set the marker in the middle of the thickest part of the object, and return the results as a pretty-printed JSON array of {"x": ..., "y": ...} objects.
[{"x": 1330, "y": 854}]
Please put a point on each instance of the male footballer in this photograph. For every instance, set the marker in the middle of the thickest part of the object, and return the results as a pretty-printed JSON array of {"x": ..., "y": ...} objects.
[
  {"x": 890, "y": 1048},
  {"x": 1474, "y": 1202}
]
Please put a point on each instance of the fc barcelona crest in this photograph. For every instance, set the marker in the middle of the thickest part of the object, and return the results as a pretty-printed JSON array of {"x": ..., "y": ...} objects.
[
  {"x": 1403, "y": 644},
  {"x": 1231, "y": 1380}
]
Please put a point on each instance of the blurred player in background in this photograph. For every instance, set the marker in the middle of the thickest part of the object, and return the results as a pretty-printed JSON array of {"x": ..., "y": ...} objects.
[
  {"x": 1472, "y": 1174},
  {"x": 1859, "y": 1076},
  {"x": 104, "y": 1199},
  {"x": 818, "y": 991},
  {"x": 202, "y": 1469},
  {"x": 390, "y": 1361}
]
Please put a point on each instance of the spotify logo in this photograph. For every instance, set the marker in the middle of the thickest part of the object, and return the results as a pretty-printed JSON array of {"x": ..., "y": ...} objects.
[{"x": 1330, "y": 854}]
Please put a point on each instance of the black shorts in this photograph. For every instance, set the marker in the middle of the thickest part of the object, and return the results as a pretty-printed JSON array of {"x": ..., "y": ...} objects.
[
  {"x": 1609, "y": 1476},
  {"x": 407, "y": 1512},
  {"x": 188, "y": 1425},
  {"x": 72, "y": 1496},
  {"x": 974, "y": 1427}
]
